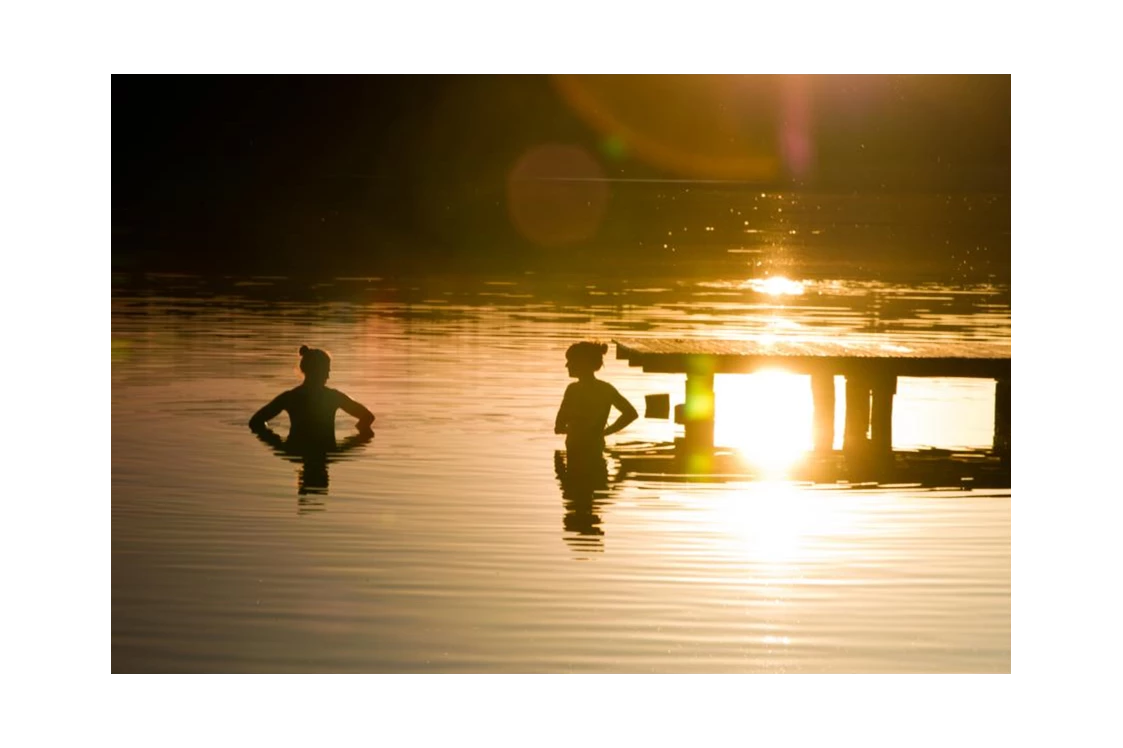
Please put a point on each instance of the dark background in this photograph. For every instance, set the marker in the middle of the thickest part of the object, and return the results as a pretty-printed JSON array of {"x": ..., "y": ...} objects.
[{"x": 321, "y": 175}]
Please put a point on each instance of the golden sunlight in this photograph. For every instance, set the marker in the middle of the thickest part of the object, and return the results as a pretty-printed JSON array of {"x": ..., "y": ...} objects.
[
  {"x": 777, "y": 523},
  {"x": 765, "y": 416},
  {"x": 777, "y": 285}
]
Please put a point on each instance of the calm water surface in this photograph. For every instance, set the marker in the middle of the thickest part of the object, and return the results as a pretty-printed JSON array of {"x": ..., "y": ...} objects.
[{"x": 445, "y": 544}]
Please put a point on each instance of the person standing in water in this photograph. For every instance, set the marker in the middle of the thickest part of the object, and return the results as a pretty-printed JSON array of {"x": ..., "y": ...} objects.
[
  {"x": 312, "y": 405},
  {"x": 584, "y": 410}
]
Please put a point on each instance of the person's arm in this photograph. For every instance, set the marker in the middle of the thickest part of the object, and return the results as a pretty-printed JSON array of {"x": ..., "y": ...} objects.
[
  {"x": 627, "y": 413},
  {"x": 354, "y": 440},
  {"x": 270, "y": 437},
  {"x": 356, "y": 410},
  {"x": 271, "y": 410},
  {"x": 561, "y": 422}
]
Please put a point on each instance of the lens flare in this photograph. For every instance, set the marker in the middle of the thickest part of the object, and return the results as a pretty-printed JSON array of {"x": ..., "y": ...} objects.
[
  {"x": 700, "y": 126},
  {"x": 556, "y": 194}
]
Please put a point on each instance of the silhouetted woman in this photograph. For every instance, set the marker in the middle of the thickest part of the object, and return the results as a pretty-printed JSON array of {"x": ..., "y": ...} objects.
[
  {"x": 587, "y": 403},
  {"x": 312, "y": 405}
]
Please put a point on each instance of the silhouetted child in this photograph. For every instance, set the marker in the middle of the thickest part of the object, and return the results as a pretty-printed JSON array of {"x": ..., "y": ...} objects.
[
  {"x": 312, "y": 405},
  {"x": 588, "y": 401}
]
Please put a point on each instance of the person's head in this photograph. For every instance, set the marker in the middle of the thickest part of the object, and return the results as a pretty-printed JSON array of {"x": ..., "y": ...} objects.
[
  {"x": 315, "y": 364},
  {"x": 585, "y": 357}
]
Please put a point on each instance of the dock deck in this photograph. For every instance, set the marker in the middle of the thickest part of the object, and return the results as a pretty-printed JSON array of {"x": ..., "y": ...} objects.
[{"x": 871, "y": 369}]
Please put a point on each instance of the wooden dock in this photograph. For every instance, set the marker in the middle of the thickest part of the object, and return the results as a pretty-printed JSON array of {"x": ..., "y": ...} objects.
[{"x": 871, "y": 370}]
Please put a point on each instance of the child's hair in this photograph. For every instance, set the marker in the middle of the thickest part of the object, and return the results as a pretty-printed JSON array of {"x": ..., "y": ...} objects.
[
  {"x": 314, "y": 362},
  {"x": 588, "y": 353}
]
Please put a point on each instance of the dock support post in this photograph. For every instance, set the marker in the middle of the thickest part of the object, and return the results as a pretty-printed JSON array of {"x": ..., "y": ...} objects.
[
  {"x": 822, "y": 420},
  {"x": 1002, "y": 416},
  {"x": 881, "y": 420},
  {"x": 854, "y": 434},
  {"x": 698, "y": 411}
]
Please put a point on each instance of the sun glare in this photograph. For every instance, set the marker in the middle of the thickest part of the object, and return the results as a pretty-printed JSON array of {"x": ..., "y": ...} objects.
[
  {"x": 779, "y": 524},
  {"x": 777, "y": 285},
  {"x": 765, "y": 416}
]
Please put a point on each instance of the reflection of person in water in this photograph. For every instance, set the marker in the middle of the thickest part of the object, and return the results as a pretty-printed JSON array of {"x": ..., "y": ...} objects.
[
  {"x": 311, "y": 408},
  {"x": 584, "y": 484},
  {"x": 587, "y": 403},
  {"x": 312, "y": 405},
  {"x": 312, "y": 458}
]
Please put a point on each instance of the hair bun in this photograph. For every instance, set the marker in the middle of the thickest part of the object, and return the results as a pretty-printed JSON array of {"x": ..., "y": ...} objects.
[{"x": 304, "y": 350}]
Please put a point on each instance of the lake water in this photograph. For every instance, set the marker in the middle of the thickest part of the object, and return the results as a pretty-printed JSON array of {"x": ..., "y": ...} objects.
[{"x": 445, "y": 544}]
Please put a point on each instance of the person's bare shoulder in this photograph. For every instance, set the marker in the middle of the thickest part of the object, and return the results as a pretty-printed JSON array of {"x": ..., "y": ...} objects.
[
  {"x": 607, "y": 388},
  {"x": 337, "y": 396},
  {"x": 286, "y": 397}
]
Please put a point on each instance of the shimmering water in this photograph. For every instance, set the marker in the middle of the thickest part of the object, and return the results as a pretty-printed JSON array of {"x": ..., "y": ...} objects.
[{"x": 446, "y": 544}]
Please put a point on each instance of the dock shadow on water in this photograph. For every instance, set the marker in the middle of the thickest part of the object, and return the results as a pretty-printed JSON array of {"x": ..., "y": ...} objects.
[{"x": 922, "y": 468}]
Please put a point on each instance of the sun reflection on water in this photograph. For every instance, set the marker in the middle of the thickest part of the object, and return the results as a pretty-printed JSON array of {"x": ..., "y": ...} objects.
[
  {"x": 776, "y": 285},
  {"x": 780, "y": 524}
]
